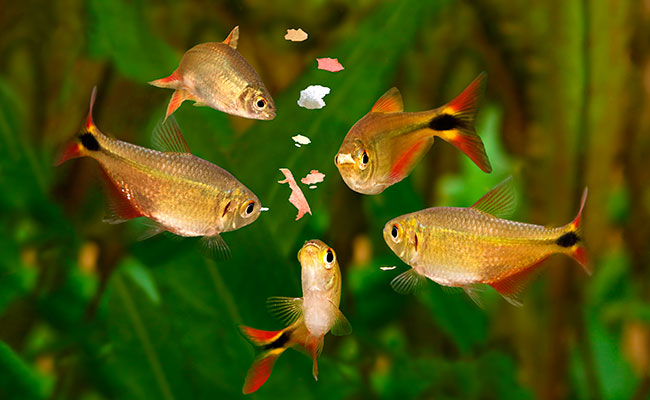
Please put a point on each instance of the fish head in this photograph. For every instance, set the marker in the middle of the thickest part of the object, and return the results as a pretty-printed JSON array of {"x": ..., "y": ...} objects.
[
  {"x": 243, "y": 209},
  {"x": 320, "y": 271},
  {"x": 257, "y": 103},
  {"x": 400, "y": 235},
  {"x": 356, "y": 161}
]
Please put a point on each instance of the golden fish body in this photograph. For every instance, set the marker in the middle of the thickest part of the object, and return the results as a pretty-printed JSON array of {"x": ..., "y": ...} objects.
[
  {"x": 217, "y": 76},
  {"x": 183, "y": 193},
  {"x": 309, "y": 317},
  {"x": 384, "y": 146},
  {"x": 469, "y": 246}
]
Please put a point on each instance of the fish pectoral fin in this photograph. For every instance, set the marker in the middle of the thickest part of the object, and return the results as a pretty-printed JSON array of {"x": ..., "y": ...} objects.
[
  {"x": 286, "y": 309},
  {"x": 512, "y": 287},
  {"x": 407, "y": 282},
  {"x": 119, "y": 208},
  {"x": 233, "y": 38},
  {"x": 215, "y": 246},
  {"x": 341, "y": 325},
  {"x": 389, "y": 102},
  {"x": 167, "y": 137},
  {"x": 500, "y": 201}
]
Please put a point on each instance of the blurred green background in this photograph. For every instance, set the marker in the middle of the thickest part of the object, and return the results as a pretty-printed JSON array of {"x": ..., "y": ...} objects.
[{"x": 88, "y": 312}]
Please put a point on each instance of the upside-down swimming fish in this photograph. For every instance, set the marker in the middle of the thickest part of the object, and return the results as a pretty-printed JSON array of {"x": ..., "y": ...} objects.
[
  {"x": 309, "y": 317},
  {"x": 384, "y": 146},
  {"x": 180, "y": 192},
  {"x": 217, "y": 76},
  {"x": 465, "y": 247}
]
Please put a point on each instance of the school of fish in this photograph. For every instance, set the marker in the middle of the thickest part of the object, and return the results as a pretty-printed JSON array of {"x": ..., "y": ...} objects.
[{"x": 188, "y": 196}]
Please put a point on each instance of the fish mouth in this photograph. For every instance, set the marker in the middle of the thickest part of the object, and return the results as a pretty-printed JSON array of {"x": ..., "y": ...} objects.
[
  {"x": 309, "y": 250},
  {"x": 343, "y": 158}
]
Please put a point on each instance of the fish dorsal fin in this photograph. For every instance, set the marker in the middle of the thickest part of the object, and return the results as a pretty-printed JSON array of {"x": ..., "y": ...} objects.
[
  {"x": 407, "y": 282},
  {"x": 233, "y": 38},
  {"x": 286, "y": 309},
  {"x": 167, "y": 137},
  {"x": 215, "y": 246},
  {"x": 341, "y": 325},
  {"x": 500, "y": 201},
  {"x": 390, "y": 102}
]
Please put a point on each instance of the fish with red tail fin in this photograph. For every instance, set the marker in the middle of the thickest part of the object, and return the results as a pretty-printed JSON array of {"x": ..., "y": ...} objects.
[
  {"x": 217, "y": 76},
  {"x": 176, "y": 190},
  {"x": 384, "y": 146},
  {"x": 309, "y": 317},
  {"x": 467, "y": 247}
]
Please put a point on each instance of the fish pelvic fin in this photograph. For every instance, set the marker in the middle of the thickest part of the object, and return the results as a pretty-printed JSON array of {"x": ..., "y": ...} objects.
[
  {"x": 454, "y": 122},
  {"x": 572, "y": 241},
  {"x": 172, "y": 81},
  {"x": 215, "y": 247},
  {"x": 407, "y": 282},
  {"x": 274, "y": 344},
  {"x": 85, "y": 142},
  {"x": 233, "y": 38}
]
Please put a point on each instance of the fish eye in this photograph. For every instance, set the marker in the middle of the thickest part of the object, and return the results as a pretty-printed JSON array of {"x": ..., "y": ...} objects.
[
  {"x": 364, "y": 158},
  {"x": 328, "y": 257},
  {"x": 396, "y": 233},
  {"x": 260, "y": 102},
  {"x": 248, "y": 208}
]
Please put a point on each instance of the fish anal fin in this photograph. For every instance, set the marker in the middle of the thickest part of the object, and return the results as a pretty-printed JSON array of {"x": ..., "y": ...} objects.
[
  {"x": 407, "y": 282},
  {"x": 512, "y": 287},
  {"x": 215, "y": 246},
  {"x": 500, "y": 201},
  {"x": 170, "y": 82},
  {"x": 167, "y": 137},
  {"x": 261, "y": 369},
  {"x": 389, "y": 102},
  {"x": 409, "y": 152},
  {"x": 178, "y": 97},
  {"x": 233, "y": 38},
  {"x": 341, "y": 325},
  {"x": 286, "y": 309},
  {"x": 120, "y": 208}
]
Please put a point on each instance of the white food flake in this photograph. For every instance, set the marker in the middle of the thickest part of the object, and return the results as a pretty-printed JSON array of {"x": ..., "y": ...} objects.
[
  {"x": 313, "y": 187},
  {"x": 312, "y": 97},
  {"x": 264, "y": 209},
  {"x": 388, "y": 268},
  {"x": 300, "y": 140}
]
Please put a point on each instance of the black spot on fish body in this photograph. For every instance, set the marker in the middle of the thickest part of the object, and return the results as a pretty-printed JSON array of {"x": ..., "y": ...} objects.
[
  {"x": 279, "y": 342},
  {"x": 444, "y": 122},
  {"x": 225, "y": 209},
  {"x": 568, "y": 239},
  {"x": 89, "y": 141}
]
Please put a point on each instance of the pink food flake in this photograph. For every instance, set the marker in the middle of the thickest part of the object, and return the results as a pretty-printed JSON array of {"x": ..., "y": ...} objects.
[
  {"x": 297, "y": 198},
  {"x": 313, "y": 177},
  {"x": 329, "y": 64}
]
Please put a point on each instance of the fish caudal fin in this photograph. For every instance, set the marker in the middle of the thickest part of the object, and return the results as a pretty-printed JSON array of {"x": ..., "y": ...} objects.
[
  {"x": 261, "y": 369},
  {"x": 274, "y": 343},
  {"x": 170, "y": 82},
  {"x": 572, "y": 242},
  {"x": 85, "y": 141},
  {"x": 454, "y": 122}
]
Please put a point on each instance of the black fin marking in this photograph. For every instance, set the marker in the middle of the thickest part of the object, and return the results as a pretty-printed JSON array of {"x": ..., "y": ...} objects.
[
  {"x": 279, "y": 342},
  {"x": 89, "y": 142},
  {"x": 568, "y": 239},
  {"x": 445, "y": 122}
]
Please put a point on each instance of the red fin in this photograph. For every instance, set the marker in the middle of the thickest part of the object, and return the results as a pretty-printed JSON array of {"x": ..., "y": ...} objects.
[
  {"x": 455, "y": 121},
  {"x": 179, "y": 96},
  {"x": 579, "y": 253},
  {"x": 169, "y": 82},
  {"x": 120, "y": 207},
  {"x": 261, "y": 369},
  {"x": 90, "y": 124},
  {"x": 405, "y": 161},
  {"x": 389, "y": 102},
  {"x": 233, "y": 38},
  {"x": 71, "y": 150},
  {"x": 512, "y": 286},
  {"x": 260, "y": 337},
  {"x": 500, "y": 201}
]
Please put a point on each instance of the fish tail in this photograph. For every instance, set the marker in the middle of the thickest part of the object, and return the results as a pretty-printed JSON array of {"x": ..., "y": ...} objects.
[
  {"x": 85, "y": 142},
  {"x": 572, "y": 241},
  {"x": 274, "y": 344},
  {"x": 454, "y": 122},
  {"x": 169, "y": 82}
]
